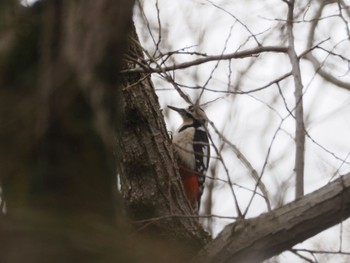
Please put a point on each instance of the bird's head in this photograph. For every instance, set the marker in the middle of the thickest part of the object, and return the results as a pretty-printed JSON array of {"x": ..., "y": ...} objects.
[{"x": 192, "y": 115}]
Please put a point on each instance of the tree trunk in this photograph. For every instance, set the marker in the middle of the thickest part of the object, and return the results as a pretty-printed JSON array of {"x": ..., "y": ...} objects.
[
  {"x": 58, "y": 104},
  {"x": 150, "y": 182}
]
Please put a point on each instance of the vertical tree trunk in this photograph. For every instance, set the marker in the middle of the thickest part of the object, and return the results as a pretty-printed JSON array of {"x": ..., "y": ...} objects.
[
  {"x": 150, "y": 182},
  {"x": 59, "y": 108},
  {"x": 76, "y": 108}
]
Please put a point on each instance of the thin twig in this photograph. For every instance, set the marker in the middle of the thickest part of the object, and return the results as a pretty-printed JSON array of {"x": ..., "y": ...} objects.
[
  {"x": 247, "y": 164},
  {"x": 239, "y": 54}
]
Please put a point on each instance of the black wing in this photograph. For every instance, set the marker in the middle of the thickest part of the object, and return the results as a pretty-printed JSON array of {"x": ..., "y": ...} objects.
[{"x": 202, "y": 154}]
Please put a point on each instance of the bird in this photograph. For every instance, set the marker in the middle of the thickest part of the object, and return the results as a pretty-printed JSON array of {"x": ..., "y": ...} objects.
[{"x": 192, "y": 150}]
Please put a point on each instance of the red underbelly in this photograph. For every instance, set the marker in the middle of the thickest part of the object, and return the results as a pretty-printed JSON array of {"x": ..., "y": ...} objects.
[{"x": 190, "y": 183}]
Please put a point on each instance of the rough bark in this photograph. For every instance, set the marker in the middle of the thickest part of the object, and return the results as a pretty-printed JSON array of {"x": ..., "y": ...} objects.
[
  {"x": 257, "y": 239},
  {"x": 150, "y": 182}
]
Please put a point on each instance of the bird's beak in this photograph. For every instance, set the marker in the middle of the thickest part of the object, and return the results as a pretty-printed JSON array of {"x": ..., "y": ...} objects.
[{"x": 179, "y": 110}]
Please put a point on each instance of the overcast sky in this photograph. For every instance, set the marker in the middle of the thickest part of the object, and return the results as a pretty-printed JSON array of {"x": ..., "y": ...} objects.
[{"x": 255, "y": 121}]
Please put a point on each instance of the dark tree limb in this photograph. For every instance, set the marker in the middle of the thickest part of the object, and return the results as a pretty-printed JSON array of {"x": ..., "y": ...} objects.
[{"x": 260, "y": 238}]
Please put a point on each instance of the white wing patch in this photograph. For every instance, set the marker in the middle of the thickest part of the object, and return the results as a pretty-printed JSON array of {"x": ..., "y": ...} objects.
[{"x": 205, "y": 156}]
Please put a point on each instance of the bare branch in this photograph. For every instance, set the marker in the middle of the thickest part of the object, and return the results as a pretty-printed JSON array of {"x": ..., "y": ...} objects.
[
  {"x": 239, "y": 21},
  {"x": 257, "y": 239},
  {"x": 218, "y": 153},
  {"x": 321, "y": 251},
  {"x": 298, "y": 254},
  {"x": 239, "y": 54},
  {"x": 299, "y": 110},
  {"x": 314, "y": 61},
  {"x": 248, "y": 165}
]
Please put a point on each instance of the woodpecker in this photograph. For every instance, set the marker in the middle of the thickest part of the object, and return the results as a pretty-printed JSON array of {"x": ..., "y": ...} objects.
[{"x": 192, "y": 151}]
